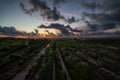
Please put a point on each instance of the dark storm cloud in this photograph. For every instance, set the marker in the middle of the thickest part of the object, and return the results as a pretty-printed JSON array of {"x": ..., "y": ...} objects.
[
  {"x": 93, "y": 26},
  {"x": 100, "y": 18},
  {"x": 110, "y": 5},
  {"x": 57, "y": 26},
  {"x": 46, "y": 12},
  {"x": 36, "y": 31},
  {"x": 22, "y": 6},
  {"x": 110, "y": 10},
  {"x": 42, "y": 8},
  {"x": 97, "y": 27},
  {"x": 106, "y": 12},
  {"x": 58, "y": 2},
  {"x": 90, "y": 5},
  {"x": 66, "y": 30},
  {"x": 10, "y": 31},
  {"x": 72, "y": 20},
  {"x": 109, "y": 26}
]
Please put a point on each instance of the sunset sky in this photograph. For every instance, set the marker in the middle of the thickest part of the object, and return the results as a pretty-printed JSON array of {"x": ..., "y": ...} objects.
[
  {"x": 12, "y": 15},
  {"x": 80, "y": 15}
]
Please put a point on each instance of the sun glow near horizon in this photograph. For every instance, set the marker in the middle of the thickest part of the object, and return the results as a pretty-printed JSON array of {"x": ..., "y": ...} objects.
[{"x": 49, "y": 32}]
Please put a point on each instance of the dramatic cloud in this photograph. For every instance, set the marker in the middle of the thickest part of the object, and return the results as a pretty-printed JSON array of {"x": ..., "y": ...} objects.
[
  {"x": 12, "y": 31},
  {"x": 57, "y": 26},
  {"x": 90, "y": 5},
  {"x": 97, "y": 14},
  {"x": 65, "y": 30},
  {"x": 97, "y": 27},
  {"x": 36, "y": 31},
  {"x": 41, "y": 7},
  {"x": 72, "y": 20},
  {"x": 24, "y": 9},
  {"x": 50, "y": 33},
  {"x": 109, "y": 10},
  {"x": 105, "y": 13},
  {"x": 58, "y": 2}
]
